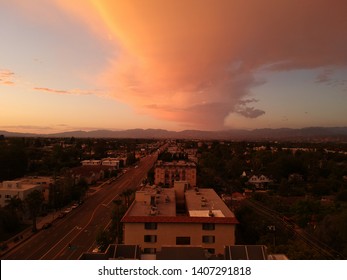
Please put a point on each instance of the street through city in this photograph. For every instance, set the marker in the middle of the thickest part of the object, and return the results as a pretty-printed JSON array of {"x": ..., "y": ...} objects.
[{"x": 75, "y": 234}]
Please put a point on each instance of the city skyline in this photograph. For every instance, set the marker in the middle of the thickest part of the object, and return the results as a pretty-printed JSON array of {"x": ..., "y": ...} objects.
[{"x": 85, "y": 65}]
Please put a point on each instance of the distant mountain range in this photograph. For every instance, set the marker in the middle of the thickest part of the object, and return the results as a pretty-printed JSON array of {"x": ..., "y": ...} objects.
[{"x": 303, "y": 134}]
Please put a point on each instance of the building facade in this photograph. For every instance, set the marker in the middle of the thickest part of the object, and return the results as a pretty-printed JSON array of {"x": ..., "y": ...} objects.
[
  {"x": 112, "y": 162},
  {"x": 16, "y": 189},
  {"x": 161, "y": 217},
  {"x": 166, "y": 173}
]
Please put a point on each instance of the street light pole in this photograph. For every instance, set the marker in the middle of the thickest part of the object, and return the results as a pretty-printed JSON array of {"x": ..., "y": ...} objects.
[{"x": 272, "y": 228}]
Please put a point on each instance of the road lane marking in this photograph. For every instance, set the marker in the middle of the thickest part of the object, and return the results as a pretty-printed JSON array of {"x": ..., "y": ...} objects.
[{"x": 57, "y": 243}]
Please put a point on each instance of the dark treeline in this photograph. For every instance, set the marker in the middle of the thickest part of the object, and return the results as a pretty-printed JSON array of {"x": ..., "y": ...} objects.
[
  {"x": 50, "y": 156},
  {"x": 308, "y": 185}
]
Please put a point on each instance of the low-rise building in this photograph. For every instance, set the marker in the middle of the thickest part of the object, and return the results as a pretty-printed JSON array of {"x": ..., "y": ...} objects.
[
  {"x": 16, "y": 189},
  {"x": 91, "y": 162},
  {"x": 45, "y": 182},
  {"x": 259, "y": 181},
  {"x": 161, "y": 217},
  {"x": 89, "y": 173},
  {"x": 112, "y": 162}
]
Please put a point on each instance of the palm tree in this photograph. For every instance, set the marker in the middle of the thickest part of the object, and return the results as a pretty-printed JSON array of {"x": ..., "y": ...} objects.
[
  {"x": 34, "y": 202},
  {"x": 11, "y": 214},
  {"x": 126, "y": 194},
  {"x": 15, "y": 205}
]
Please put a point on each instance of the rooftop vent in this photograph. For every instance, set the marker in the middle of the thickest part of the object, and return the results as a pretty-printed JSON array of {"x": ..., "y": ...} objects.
[{"x": 154, "y": 211}]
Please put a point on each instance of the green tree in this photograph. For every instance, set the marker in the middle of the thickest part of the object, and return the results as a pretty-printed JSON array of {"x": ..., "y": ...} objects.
[
  {"x": 131, "y": 159},
  {"x": 13, "y": 160},
  {"x": 116, "y": 217},
  {"x": 15, "y": 207},
  {"x": 103, "y": 239},
  {"x": 332, "y": 230},
  {"x": 34, "y": 202},
  {"x": 126, "y": 194}
]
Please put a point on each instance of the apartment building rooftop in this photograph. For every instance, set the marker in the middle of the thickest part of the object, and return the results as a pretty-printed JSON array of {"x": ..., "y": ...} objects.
[
  {"x": 206, "y": 203},
  {"x": 147, "y": 197},
  {"x": 156, "y": 204},
  {"x": 17, "y": 185}
]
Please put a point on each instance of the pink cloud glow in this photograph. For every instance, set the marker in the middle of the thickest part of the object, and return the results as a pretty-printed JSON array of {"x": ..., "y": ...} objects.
[
  {"x": 193, "y": 62},
  {"x": 58, "y": 91},
  {"x": 6, "y": 77}
]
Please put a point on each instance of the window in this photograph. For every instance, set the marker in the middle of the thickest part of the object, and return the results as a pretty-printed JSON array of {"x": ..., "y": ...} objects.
[
  {"x": 149, "y": 250},
  {"x": 151, "y": 225},
  {"x": 150, "y": 238},
  {"x": 208, "y": 239},
  {"x": 7, "y": 196},
  {"x": 210, "y": 250},
  {"x": 208, "y": 226},
  {"x": 183, "y": 240}
]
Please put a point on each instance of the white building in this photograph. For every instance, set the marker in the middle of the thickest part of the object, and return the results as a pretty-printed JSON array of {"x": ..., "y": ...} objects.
[
  {"x": 19, "y": 189},
  {"x": 259, "y": 181},
  {"x": 91, "y": 162},
  {"x": 113, "y": 162}
]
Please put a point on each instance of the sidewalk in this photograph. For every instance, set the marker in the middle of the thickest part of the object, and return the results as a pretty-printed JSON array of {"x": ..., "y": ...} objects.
[{"x": 27, "y": 233}]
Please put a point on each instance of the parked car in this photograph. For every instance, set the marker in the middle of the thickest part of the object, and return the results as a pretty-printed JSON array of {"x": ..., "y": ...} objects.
[
  {"x": 74, "y": 206},
  {"x": 97, "y": 250},
  {"x": 61, "y": 215},
  {"x": 46, "y": 225},
  {"x": 67, "y": 210}
]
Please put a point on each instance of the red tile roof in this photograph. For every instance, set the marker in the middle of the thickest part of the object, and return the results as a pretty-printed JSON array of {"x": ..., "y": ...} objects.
[{"x": 179, "y": 219}]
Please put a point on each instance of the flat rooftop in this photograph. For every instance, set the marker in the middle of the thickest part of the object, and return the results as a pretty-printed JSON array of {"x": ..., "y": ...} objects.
[
  {"x": 164, "y": 199},
  {"x": 202, "y": 205},
  {"x": 200, "y": 202},
  {"x": 16, "y": 186}
]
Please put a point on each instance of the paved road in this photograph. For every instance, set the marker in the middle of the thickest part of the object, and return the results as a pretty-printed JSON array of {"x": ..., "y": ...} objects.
[{"x": 79, "y": 228}]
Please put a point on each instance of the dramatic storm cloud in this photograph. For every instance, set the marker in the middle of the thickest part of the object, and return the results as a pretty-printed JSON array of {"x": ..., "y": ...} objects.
[
  {"x": 194, "y": 62},
  {"x": 198, "y": 63}
]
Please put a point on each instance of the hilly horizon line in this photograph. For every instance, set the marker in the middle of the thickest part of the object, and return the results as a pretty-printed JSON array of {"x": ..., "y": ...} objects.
[{"x": 237, "y": 134}]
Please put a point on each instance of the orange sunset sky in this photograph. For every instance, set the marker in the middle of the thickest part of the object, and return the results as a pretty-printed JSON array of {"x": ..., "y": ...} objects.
[{"x": 195, "y": 64}]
